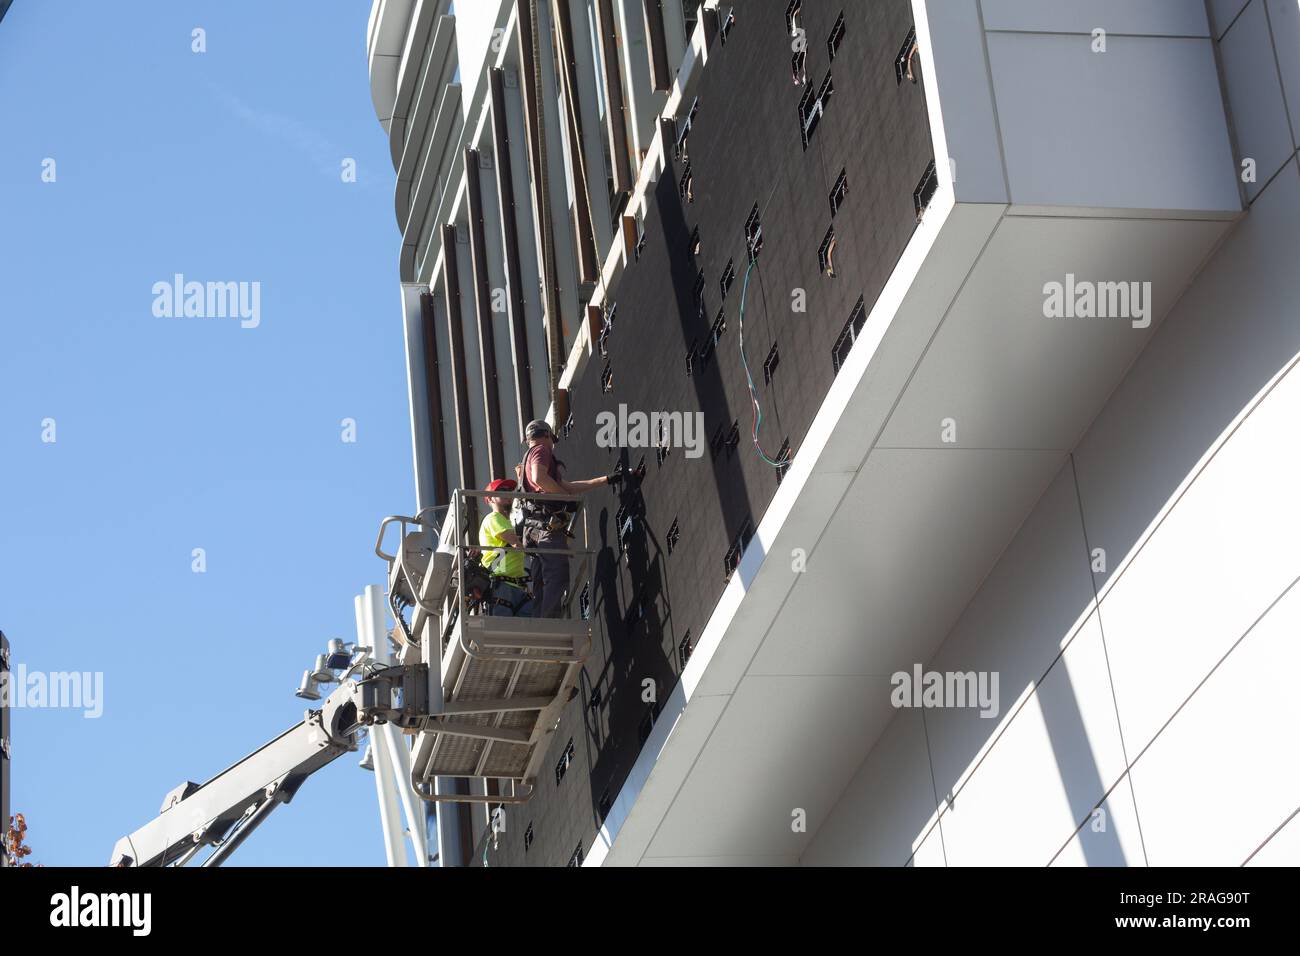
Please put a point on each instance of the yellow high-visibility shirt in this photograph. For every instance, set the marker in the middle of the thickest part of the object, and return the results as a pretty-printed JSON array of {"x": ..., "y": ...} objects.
[{"x": 489, "y": 536}]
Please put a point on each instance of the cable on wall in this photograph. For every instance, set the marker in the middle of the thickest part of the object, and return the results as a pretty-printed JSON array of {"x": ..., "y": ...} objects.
[{"x": 749, "y": 377}]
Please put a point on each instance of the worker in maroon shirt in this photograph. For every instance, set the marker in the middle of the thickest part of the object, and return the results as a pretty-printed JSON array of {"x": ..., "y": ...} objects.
[{"x": 546, "y": 523}]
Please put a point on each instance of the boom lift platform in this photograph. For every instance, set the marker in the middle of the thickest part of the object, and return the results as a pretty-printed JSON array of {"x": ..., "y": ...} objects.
[
  {"x": 481, "y": 693},
  {"x": 504, "y": 680}
]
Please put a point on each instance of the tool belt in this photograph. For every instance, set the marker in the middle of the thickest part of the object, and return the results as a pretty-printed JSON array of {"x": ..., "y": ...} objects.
[
  {"x": 542, "y": 523},
  {"x": 542, "y": 519},
  {"x": 494, "y": 596}
]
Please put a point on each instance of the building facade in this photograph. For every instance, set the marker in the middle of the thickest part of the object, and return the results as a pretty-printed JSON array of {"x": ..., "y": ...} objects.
[{"x": 985, "y": 310}]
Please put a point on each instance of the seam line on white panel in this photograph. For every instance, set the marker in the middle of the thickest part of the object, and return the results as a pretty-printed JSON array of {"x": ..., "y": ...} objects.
[
  {"x": 993, "y": 102},
  {"x": 1170, "y": 506},
  {"x": 644, "y": 854},
  {"x": 1127, "y": 771},
  {"x": 1101, "y": 630},
  {"x": 1219, "y": 663},
  {"x": 1002, "y": 731},
  {"x": 1233, "y": 21},
  {"x": 1280, "y": 827},
  {"x": 1276, "y": 173},
  {"x": 934, "y": 787},
  {"x": 1104, "y": 797},
  {"x": 1277, "y": 65}
]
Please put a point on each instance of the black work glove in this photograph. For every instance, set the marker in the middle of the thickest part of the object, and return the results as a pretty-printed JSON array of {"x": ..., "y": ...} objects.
[{"x": 616, "y": 478}]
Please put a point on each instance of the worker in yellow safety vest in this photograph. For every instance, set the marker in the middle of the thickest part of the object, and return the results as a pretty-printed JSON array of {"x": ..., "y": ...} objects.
[{"x": 509, "y": 595}]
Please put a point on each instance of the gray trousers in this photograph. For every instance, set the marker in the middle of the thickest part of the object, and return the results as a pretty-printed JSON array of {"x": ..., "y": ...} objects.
[{"x": 549, "y": 572}]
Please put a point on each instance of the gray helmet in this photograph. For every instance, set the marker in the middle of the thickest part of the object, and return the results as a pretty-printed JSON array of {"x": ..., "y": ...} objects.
[{"x": 538, "y": 427}]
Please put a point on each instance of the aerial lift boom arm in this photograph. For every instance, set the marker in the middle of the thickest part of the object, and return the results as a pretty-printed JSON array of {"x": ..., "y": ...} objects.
[{"x": 226, "y": 809}]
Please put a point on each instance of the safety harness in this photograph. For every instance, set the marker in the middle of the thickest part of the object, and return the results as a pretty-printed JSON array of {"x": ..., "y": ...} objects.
[
  {"x": 493, "y": 594},
  {"x": 544, "y": 517}
]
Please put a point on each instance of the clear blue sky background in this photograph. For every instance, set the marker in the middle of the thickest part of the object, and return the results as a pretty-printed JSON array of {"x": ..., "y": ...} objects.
[{"x": 175, "y": 434}]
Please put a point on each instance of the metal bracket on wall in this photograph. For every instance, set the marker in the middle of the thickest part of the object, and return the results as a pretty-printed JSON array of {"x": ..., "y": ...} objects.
[
  {"x": 925, "y": 190},
  {"x": 905, "y": 62},
  {"x": 753, "y": 234}
]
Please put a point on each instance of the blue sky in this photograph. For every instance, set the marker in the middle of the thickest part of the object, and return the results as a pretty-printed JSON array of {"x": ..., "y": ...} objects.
[{"x": 181, "y": 433}]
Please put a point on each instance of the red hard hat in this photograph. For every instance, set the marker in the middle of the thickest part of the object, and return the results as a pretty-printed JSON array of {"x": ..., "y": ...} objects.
[{"x": 502, "y": 484}]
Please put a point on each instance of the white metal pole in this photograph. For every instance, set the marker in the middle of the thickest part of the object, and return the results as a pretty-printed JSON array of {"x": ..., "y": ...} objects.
[
  {"x": 399, "y": 764},
  {"x": 390, "y": 819},
  {"x": 451, "y": 851}
]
